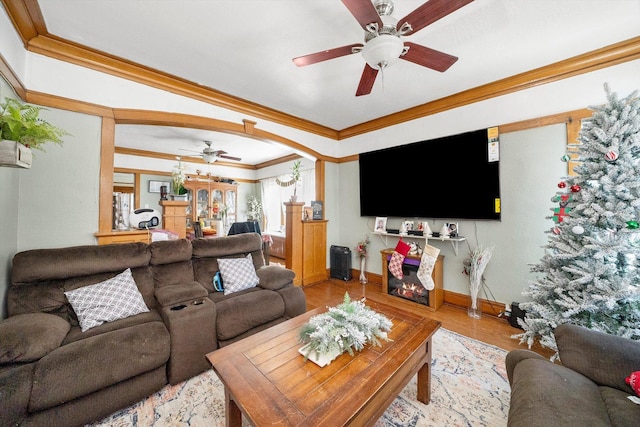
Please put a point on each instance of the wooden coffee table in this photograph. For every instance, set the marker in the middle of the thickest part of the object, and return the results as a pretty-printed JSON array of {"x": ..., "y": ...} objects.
[{"x": 269, "y": 382}]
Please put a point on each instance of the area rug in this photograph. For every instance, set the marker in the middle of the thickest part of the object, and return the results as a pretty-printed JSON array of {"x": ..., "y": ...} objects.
[{"x": 469, "y": 387}]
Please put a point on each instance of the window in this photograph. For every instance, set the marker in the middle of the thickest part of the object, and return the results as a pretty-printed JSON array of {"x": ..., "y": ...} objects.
[{"x": 274, "y": 196}]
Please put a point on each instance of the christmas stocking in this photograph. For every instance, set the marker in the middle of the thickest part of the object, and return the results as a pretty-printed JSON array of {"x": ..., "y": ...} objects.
[
  {"x": 427, "y": 262},
  {"x": 397, "y": 258}
]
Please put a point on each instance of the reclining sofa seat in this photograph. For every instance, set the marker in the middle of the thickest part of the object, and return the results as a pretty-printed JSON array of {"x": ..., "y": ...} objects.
[
  {"x": 91, "y": 374},
  {"x": 244, "y": 313},
  {"x": 587, "y": 389},
  {"x": 94, "y": 373}
]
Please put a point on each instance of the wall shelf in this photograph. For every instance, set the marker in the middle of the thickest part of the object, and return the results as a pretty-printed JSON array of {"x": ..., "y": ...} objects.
[{"x": 454, "y": 240}]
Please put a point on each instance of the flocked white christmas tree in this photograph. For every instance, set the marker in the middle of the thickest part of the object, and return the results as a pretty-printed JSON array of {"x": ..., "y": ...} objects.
[{"x": 590, "y": 272}]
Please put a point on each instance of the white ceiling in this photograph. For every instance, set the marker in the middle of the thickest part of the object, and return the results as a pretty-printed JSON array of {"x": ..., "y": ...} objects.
[
  {"x": 245, "y": 48},
  {"x": 184, "y": 142}
]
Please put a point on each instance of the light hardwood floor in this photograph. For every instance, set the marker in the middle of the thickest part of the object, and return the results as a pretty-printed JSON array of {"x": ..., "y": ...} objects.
[{"x": 489, "y": 329}]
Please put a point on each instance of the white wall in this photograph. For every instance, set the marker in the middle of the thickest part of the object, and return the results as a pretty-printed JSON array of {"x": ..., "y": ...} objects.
[
  {"x": 9, "y": 193},
  {"x": 58, "y": 203}
]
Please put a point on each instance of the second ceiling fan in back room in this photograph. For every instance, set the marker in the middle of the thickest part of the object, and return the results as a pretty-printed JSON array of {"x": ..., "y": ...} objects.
[
  {"x": 383, "y": 38},
  {"x": 209, "y": 155}
]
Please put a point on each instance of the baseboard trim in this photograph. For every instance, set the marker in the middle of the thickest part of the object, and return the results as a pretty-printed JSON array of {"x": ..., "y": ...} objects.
[{"x": 491, "y": 308}]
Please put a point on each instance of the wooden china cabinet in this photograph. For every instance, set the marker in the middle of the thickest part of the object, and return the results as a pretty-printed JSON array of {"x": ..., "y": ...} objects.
[{"x": 207, "y": 198}]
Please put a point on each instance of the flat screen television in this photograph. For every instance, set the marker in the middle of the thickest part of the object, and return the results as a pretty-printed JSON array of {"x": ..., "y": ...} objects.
[{"x": 454, "y": 177}]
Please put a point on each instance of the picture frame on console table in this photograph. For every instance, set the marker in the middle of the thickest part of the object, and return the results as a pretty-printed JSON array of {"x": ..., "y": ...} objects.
[
  {"x": 154, "y": 186},
  {"x": 316, "y": 205},
  {"x": 307, "y": 213}
]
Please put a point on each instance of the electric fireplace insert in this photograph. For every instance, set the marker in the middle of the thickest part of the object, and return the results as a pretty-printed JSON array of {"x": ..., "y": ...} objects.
[{"x": 409, "y": 287}]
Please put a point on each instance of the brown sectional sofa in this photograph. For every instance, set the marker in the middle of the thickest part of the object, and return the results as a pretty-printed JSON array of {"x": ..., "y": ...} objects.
[
  {"x": 52, "y": 373},
  {"x": 587, "y": 389}
]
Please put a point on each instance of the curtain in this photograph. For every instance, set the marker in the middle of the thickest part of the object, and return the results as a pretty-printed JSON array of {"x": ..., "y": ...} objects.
[{"x": 273, "y": 197}]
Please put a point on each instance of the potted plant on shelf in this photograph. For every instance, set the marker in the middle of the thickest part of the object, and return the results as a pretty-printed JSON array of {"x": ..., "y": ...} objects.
[
  {"x": 295, "y": 177},
  {"x": 177, "y": 182},
  {"x": 22, "y": 130}
]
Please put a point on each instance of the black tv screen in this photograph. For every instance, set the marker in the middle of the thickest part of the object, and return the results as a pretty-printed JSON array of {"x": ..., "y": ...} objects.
[{"x": 455, "y": 177}]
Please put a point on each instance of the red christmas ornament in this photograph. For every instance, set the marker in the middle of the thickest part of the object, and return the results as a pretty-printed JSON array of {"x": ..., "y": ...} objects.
[
  {"x": 556, "y": 230},
  {"x": 611, "y": 156},
  {"x": 575, "y": 188},
  {"x": 562, "y": 184},
  {"x": 634, "y": 381}
]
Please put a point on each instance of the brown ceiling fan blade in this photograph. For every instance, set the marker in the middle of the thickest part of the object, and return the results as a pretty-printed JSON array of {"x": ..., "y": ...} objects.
[
  {"x": 325, "y": 55},
  {"x": 430, "y": 12},
  {"x": 427, "y": 57},
  {"x": 364, "y": 12},
  {"x": 366, "y": 81},
  {"x": 224, "y": 156}
]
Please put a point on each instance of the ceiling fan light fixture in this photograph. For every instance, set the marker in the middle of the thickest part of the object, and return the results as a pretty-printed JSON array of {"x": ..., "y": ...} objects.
[
  {"x": 209, "y": 158},
  {"x": 382, "y": 51}
]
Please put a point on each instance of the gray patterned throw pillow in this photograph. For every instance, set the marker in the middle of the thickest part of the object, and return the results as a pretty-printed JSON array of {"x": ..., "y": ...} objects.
[
  {"x": 107, "y": 301},
  {"x": 238, "y": 274}
]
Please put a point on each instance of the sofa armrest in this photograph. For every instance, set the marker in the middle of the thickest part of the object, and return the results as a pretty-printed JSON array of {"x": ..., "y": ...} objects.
[
  {"x": 174, "y": 294},
  {"x": 31, "y": 336},
  {"x": 274, "y": 277},
  {"x": 604, "y": 358},
  {"x": 516, "y": 356}
]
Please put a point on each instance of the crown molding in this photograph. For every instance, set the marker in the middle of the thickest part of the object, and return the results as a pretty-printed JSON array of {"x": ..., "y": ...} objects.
[{"x": 29, "y": 23}]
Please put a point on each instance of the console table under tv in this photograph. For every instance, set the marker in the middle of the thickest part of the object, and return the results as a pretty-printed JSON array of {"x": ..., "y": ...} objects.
[{"x": 435, "y": 297}]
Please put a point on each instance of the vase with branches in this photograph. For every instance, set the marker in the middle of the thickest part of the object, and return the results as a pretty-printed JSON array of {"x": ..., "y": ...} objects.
[
  {"x": 362, "y": 249},
  {"x": 475, "y": 266}
]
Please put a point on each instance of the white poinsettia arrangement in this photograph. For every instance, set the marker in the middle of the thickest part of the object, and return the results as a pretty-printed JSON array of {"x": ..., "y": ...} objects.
[{"x": 345, "y": 327}]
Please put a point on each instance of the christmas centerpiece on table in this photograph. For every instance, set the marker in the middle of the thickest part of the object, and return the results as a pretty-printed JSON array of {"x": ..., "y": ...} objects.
[{"x": 346, "y": 327}]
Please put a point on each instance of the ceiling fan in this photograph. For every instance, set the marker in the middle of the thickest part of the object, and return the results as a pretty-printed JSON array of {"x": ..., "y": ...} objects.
[
  {"x": 209, "y": 155},
  {"x": 383, "y": 38}
]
